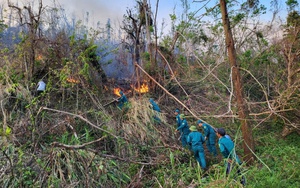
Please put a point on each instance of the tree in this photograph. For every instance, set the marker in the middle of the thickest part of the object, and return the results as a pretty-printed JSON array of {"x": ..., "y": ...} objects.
[
  {"x": 288, "y": 83},
  {"x": 248, "y": 142},
  {"x": 135, "y": 25},
  {"x": 32, "y": 22}
]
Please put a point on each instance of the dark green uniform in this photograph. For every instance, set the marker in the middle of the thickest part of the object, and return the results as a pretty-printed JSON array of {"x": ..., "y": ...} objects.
[
  {"x": 184, "y": 131},
  {"x": 195, "y": 139},
  {"x": 210, "y": 135},
  {"x": 227, "y": 149}
]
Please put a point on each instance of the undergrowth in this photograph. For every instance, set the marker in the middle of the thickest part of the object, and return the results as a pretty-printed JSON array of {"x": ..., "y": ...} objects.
[
  {"x": 281, "y": 158},
  {"x": 76, "y": 142}
]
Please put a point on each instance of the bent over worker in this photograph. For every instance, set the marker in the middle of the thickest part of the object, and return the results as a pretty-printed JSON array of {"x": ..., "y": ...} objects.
[
  {"x": 156, "y": 108},
  {"x": 184, "y": 130},
  {"x": 195, "y": 139},
  {"x": 122, "y": 100},
  {"x": 210, "y": 137},
  {"x": 227, "y": 149}
]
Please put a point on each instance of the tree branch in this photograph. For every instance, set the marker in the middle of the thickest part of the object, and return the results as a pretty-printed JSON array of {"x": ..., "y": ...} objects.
[
  {"x": 166, "y": 90},
  {"x": 82, "y": 118},
  {"x": 57, "y": 144}
]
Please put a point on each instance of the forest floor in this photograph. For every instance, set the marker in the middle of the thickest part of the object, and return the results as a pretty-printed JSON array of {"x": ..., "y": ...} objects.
[{"x": 55, "y": 136}]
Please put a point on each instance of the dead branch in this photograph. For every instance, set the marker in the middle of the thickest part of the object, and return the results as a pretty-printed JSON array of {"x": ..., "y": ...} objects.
[
  {"x": 19, "y": 10},
  {"x": 4, "y": 115},
  {"x": 122, "y": 159},
  {"x": 57, "y": 144},
  {"x": 166, "y": 90},
  {"x": 135, "y": 182},
  {"x": 270, "y": 112},
  {"x": 82, "y": 118},
  {"x": 10, "y": 162},
  {"x": 114, "y": 100},
  {"x": 173, "y": 75}
]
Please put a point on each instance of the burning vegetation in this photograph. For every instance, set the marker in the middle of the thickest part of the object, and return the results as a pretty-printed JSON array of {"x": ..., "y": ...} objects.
[
  {"x": 117, "y": 91},
  {"x": 72, "y": 80},
  {"x": 144, "y": 88}
]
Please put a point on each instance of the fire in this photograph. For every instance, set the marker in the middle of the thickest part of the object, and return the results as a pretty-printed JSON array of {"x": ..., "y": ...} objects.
[
  {"x": 116, "y": 91},
  {"x": 39, "y": 57},
  {"x": 143, "y": 89},
  {"x": 72, "y": 80}
]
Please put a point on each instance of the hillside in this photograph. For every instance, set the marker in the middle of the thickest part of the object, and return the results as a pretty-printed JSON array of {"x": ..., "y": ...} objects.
[{"x": 78, "y": 103}]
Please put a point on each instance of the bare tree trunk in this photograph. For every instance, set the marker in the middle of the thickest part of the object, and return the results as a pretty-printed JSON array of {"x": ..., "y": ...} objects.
[
  {"x": 32, "y": 20},
  {"x": 248, "y": 142},
  {"x": 147, "y": 22}
]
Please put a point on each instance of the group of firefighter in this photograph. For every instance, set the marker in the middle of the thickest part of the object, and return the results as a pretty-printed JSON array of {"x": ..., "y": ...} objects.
[
  {"x": 193, "y": 140},
  {"x": 190, "y": 137}
]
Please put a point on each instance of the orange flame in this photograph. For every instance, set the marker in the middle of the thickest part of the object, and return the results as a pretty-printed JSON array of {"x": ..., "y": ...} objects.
[
  {"x": 116, "y": 91},
  {"x": 72, "y": 80},
  {"x": 143, "y": 89},
  {"x": 39, "y": 57}
]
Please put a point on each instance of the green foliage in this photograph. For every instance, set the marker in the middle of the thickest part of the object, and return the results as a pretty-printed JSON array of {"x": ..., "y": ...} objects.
[
  {"x": 237, "y": 18},
  {"x": 292, "y": 4},
  {"x": 293, "y": 19},
  {"x": 259, "y": 10},
  {"x": 281, "y": 157},
  {"x": 117, "y": 162},
  {"x": 173, "y": 17},
  {"x": 146, "y": 56},
  {"x": 5, "y": 132},
  {"x": 172, "y": 159},
  {"x": 182, "y": 59},
  {"x": 85, "y": 71},
  {"x": 28, "y": 176},
  {"x": 2, "y": 26}
]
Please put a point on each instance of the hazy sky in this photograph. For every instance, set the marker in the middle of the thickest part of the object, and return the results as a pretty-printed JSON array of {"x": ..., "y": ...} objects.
[
  {"x": 101, "y": 10},
  {"x": 115, "y": 9}
]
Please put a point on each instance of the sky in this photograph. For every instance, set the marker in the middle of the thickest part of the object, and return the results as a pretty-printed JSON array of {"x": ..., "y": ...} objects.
[
  {"x": 115, "y": 9},
  {"x": 102, "y": 10}
]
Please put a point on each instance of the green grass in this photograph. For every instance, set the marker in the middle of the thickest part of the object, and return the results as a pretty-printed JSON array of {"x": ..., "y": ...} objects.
[
  {"x": 278, "y": 166},
  {"x": 282, "y": 156}
]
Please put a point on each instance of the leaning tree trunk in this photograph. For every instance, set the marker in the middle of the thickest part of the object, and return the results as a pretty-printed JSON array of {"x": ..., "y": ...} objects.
[{"x": 248, "y": 142}]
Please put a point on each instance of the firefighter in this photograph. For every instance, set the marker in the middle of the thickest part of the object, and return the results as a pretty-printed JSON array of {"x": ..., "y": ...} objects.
[
  {"x": 227, "y": 150},
  {"x": 195, "y": 139},
  {"x": 184, "y": 130},
  {"x": 156, "y": 109},
  {"x": 210, "y": 137},
  {"x": 122, "y": 101}
]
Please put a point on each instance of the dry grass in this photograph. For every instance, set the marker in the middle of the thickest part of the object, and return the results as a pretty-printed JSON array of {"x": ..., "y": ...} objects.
[{"x": 138, "y": 122}]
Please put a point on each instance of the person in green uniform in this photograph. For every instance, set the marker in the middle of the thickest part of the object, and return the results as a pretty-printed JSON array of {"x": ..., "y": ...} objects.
[
  {"x": 156, "y": 110},
  {"x": 122, "y": 101},
  {"x": 210, "y": 137},
  {"x": 184, "y": 130},
  {"x": 195, "y": 139},
  {"x": 227, "y": 149}
]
